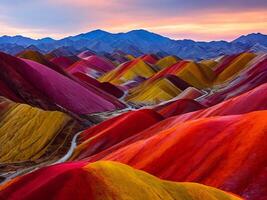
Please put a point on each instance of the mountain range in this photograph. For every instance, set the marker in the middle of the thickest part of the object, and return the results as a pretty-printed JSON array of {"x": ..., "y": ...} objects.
[{"x": 137, "y": 42}]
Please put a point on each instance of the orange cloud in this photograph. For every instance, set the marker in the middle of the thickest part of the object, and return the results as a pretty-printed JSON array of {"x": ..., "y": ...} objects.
[{"x": 207, "y": 26}]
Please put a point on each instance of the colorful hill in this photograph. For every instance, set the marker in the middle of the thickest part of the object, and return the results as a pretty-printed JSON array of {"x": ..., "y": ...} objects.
[
  {"x": 167, "y": 62},
  {"x": 229, "y": 153},
  {"x": 73, "y": 123},
  {"x": 168, "y": 148},
  {"x": 182, "y": 74},
  {"x": 113, "y": 131},
  {"x": 128, "y": 71},
  {"x": 204, "y": 75},
  {"x": 34, "y": 55},
  {"x": 250, "y": 101},
  {"x": 31, "y": 134},
  {"x": 161, "y": 90},
  {"x": 40, "y": 86},
  {"x": 103, "y": 180},
  {"x": 93, "y": 66},
  {"x": 234, "y": 65},
  {"x": 179, "y": 107},
  {"x": 249, "y": 78},
  {"x": 64, "y": 61},
  {"x": 38, "y": 57},
  {"x": 150, "y": 58},
  {"x": 105, "y": 86}
]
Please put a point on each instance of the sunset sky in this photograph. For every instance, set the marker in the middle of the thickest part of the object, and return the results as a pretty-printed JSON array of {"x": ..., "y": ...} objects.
[{"x": 178, "y": 19}]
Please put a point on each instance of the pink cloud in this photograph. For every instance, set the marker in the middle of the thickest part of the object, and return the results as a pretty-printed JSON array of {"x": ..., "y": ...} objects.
[{"x": 198, "y": 22}]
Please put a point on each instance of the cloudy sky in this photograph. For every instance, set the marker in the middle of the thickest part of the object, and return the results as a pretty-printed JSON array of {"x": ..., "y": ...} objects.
[{"x": 179, "y": 19}]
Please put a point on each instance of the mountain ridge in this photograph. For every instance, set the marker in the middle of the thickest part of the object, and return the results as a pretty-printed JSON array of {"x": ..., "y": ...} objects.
[{"x": 140, "y": 41}]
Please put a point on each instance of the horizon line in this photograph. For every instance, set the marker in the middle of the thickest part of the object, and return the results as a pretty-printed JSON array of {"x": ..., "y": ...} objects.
[{"x": 124, "y": 32}]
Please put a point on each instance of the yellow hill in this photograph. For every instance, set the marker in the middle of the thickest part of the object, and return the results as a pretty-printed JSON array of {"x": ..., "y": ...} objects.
[
  {"x": 236, "y": 65},
  {"x": 26, "y": 132},
  {"x": 196, "y": 75},
  {"x": 167, "y": 61},
  {"x": 126, "y": 72},
  {"x": 158, "y": 91},
  {"x": 113, "y": 180}
]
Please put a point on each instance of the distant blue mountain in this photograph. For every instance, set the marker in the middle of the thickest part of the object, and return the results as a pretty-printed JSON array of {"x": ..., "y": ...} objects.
[
  {"x": 19, "y": 40},
  {"x": 24, "y": 41},
  {"x": 137, "y": 42},
  {"x": 252, "y": 39}
]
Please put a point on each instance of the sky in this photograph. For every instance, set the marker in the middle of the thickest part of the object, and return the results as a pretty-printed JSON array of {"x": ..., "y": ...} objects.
[{"x": 201, "y": 20}]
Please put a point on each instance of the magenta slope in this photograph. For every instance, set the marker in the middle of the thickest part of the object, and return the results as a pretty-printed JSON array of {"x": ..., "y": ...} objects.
[
  {"x": 63, "y": 91},
  {"x": 105, "y": 86},
  {"x": 84, "y": 66},
  {"x": 101, "y": 63},
  {"x": 90, "y": 64},
  {"x": 109, "y": 92},
  {"x": 64, "y": 61},
  {"x": 14, "y": 85},
  {"x": 8, "y": 93}
]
